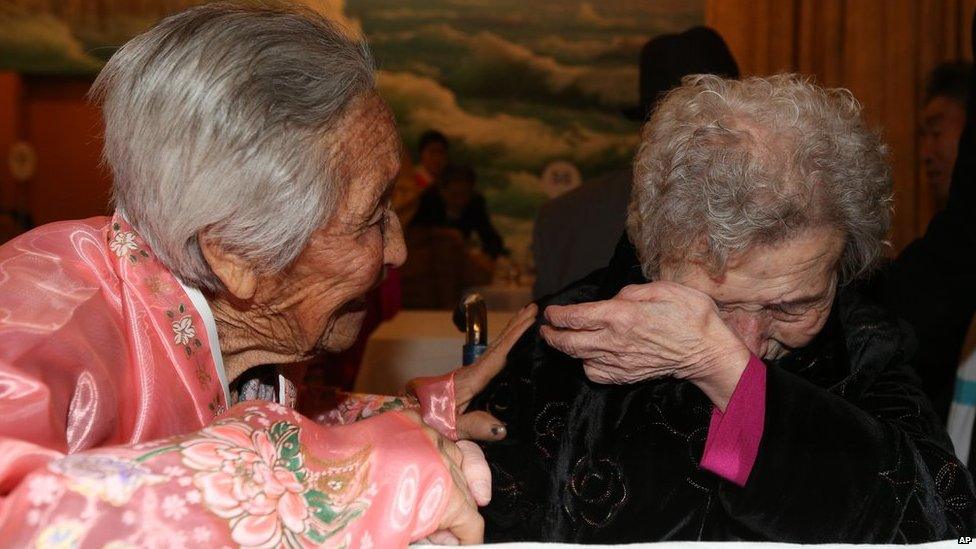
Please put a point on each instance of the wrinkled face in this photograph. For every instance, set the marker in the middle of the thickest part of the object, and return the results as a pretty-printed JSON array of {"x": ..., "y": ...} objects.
[
  {"x": 321, "y": 295},
  {"x": 942, "y": 122},
  {"x": 775, "y": 298},
  {"x": 433, "y": 158}
]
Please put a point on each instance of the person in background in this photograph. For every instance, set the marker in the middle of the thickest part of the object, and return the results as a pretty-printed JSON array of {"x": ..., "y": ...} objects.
[
  {"x": 575, "y": 233},
  {"x": 931, "y": 284},
  {"x": 943, "y": 118},
  {"x": 432, "y": 157},
  {"x": 453, "y": 202},
  {"x": 406, "y": 191}
]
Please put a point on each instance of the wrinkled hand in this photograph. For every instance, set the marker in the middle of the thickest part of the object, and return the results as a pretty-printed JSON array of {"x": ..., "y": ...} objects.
[
  {"x": 649, "y": 331},
  {"x": 470, "y": 380},
  {"x": 471, "y": 488}
]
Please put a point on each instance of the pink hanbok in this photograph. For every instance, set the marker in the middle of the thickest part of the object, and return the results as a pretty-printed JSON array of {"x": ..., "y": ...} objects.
[{"x": 115, "y": 432}]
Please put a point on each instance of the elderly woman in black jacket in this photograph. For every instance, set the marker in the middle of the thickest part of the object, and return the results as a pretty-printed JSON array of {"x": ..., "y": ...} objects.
[{"x": 723, "y": 378}]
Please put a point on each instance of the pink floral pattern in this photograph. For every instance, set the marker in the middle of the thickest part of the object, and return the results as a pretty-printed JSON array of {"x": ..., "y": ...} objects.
[
  {"x": 247, "y": 480},
  {"x": 356, "y": 406},
  {"x": 258, "y": 481}
]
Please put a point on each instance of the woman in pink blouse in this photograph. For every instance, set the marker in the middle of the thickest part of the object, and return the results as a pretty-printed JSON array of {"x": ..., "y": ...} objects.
[{"x": 252, "y": 164}]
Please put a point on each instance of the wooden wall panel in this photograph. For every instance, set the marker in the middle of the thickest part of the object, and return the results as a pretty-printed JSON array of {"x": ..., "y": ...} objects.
[
  {"x": 882, "y": 50},
  {"x": 820, "y": 28},
  {"x": 66, "y": 131},
  {"x": 899, "y": 113},
  {"x": 10, "y": 97},
  {"x": 54, "y": 116}
]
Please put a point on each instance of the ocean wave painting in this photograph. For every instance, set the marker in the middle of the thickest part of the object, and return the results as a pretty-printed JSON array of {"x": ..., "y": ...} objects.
[{"x": 515, "y": 85}]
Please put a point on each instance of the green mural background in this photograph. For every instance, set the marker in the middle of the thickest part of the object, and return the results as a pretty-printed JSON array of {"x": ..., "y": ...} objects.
[{"x": 514, "y": 84}]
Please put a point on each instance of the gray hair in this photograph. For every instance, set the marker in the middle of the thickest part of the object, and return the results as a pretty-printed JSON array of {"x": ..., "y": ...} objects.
[
  {"x": 219, "y": 118},
  {"x": 725, "y": 165}
]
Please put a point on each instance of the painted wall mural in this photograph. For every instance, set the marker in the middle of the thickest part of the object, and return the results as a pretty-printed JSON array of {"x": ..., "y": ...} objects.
[{"x": 514, "y": 84}]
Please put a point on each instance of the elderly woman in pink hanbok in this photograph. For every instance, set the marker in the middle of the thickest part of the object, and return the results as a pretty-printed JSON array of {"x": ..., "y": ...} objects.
[{"x": 253, "y": 163}]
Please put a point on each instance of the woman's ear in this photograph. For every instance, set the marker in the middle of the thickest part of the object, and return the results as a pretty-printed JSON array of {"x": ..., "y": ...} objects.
[{"x": 236, "y": 274}]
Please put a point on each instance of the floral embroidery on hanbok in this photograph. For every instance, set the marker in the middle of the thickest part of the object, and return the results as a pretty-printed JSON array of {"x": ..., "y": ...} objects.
[
  {"x": 183, "y": 328},
  {"x": 181, "y": 320},
  {"x": 65, "y": 534},
  {"x": 357, "y": 406},
  {"x": 107, "y": 478},
  {"x": 259, "y": 482},
  {"x": 157, "y": 286},
  {"x": 184, "y": 333},
  {"x": 125, "y": 244}
]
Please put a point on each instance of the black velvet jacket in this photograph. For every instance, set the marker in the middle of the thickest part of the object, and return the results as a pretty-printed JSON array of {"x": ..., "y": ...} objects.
[{"x": 851, "y": 451}]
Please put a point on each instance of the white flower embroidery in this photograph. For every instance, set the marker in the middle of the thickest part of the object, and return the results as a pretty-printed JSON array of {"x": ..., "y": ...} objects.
[
  {"x": 184, "y": 481},
  {"x": 201, "y": 534},
  {"x": 128, "y": 518},
  {"x": 33, "y": 517},
  {"x": 183, "y": 328},
  {"x": 174, "y": 471},
  {"x": 277, "y": 408},
  {"x": 164, "y": 538},
  {"x": 174, "y": 507},
  {"x": 65, "y": 533},
  {"x": 43, "y": 489},
  {"x": 366, "y": 542},
  {"x": 193, "y": 496},
  {"x": 123, "y": 243}
]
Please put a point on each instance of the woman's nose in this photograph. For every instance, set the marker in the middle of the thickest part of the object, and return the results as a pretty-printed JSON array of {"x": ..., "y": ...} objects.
[
  {"x": 394, "y": 247},
  {"x": 751, "y": 327}
]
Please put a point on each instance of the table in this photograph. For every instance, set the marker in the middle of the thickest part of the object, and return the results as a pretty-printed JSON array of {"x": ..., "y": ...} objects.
[{"x": 415, "y": 343}]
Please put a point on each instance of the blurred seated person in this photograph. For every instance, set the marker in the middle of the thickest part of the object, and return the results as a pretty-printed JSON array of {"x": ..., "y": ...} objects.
[
  {"x": 439, "y": 268},
  {"x": 406, "y": 190},
  {"x": 432, "y": 155},
  {"x": 454, "y": 203},
  {"x": 441, "y": 263},
  {"x": 943, "y": 118},
  {"x": 723, "y": 378}
]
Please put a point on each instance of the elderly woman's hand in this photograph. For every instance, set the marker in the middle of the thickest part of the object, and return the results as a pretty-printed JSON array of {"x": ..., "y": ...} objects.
[
  {"x": 471, "y": 488},
  {"x": 649, "y": 331}
]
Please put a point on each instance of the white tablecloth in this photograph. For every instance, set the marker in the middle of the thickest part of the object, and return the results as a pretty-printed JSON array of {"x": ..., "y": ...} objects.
[{"x": 412, "y": 344}]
